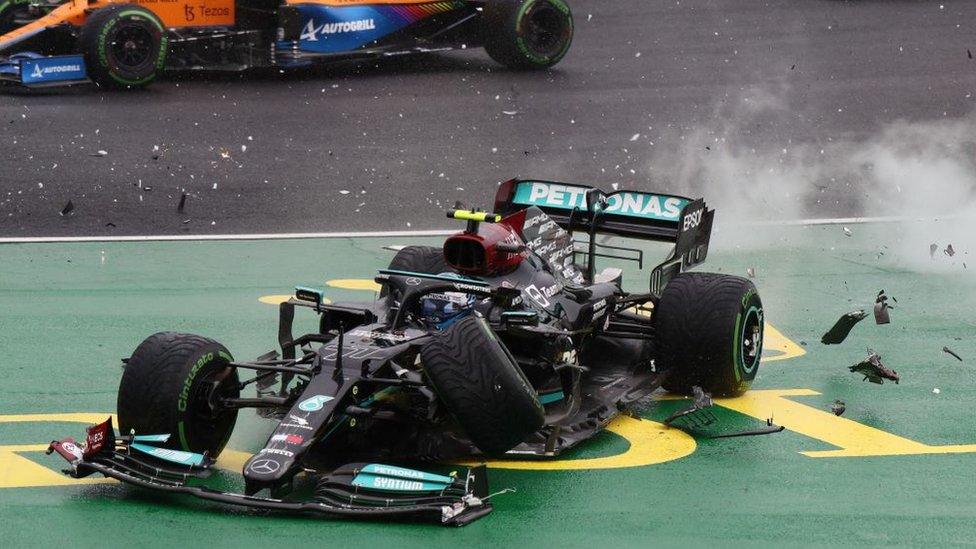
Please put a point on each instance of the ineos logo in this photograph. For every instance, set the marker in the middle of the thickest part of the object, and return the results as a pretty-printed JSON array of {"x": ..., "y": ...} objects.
[
  {"x": 412, "y": 281},
  {"x": 265, "y": 466}
]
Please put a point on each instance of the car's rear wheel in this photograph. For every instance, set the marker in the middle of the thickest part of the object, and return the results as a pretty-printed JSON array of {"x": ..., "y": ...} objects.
[
  {"x": 172, "y": 384},
  {"x": 527, "y": 34},
  {"x": 124, "y": 46},
  {"x": 709, "y": 332},
  {"x": 481, "y": 385}
]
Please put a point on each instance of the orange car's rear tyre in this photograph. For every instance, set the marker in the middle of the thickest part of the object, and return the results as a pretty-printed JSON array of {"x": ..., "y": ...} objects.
[
  {"x": 124, "y": 46},
  {"x": 528, "y": 34}
]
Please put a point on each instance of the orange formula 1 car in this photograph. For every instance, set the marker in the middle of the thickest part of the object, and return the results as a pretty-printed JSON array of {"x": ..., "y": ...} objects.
[{"x": 126, "y": 43}]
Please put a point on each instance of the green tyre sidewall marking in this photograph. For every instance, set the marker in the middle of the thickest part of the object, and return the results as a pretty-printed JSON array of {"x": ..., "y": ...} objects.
[
  {"x": 520, "y": 42},
  {"x": 200, "y": 362},
  {"x": 739, "y": 368},
  {"x": 102, "y": 47}
]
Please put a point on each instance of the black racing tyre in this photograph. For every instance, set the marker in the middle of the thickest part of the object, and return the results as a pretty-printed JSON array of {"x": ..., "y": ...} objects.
[
  {"x": 124, "y": 46},
  {"x": 420, "y": 259},
  {"x": 171, "y": 384},
  {"x": 709, "y": 332},
  {"x": 527, "y": 34},
  {"x": 481, "y": 385}
]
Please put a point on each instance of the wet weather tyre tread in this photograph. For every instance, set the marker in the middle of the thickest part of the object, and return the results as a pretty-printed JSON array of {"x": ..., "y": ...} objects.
[
  {"x": 695, "y": 332},
  {"x": 95, "y": 38},
  {"x": 421, "y": 259},
  {"x": 505, "y": 33},
  {"x": 151, "y": 385},
  {"x": 482, "y": 386}
]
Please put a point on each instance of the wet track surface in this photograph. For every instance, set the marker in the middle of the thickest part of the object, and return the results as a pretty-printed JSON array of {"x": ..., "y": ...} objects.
[
  {"x": 895, "y": 469},
  {"x": 407, "y": 137},
  {"x": 775, "y": 109}
]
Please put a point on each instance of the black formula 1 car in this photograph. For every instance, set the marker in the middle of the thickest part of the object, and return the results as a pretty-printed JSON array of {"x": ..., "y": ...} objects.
[
  {"x": 505, "y": 342},
  {"x": 125, "y": 43}
]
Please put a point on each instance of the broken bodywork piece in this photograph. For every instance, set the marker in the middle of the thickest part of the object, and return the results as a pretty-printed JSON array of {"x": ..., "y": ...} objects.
[
  {"x": 838, "y": 407},
  {"x": 695, "y": 416},
  {"x": 881, "y": 307},
  {"x": 949, "y": 351},
  {"x": 768, "y": 429},
  {"x": 839, "y": 331},
  {"x": 873, "y": 370},
  {"x": 699, "y": 416}
]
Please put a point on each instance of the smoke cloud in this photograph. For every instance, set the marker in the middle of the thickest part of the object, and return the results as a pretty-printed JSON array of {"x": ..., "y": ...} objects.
[{"x": 924, "y": 172}]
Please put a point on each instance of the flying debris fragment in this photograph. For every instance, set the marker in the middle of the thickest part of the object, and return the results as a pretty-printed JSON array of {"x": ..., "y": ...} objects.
[
  {"x": 838, "y": 407},
  {"x": 949, "y": 251},
  {"x": 695, "y": 416},
  {"x": 751, "y": 272},
  {"x": 68, "y": 208},
  {"x": 847, "y": 232},
  {"x": 510, "y": 113},
  {"x": 873, "y": 370},
  {"x": 182, "y": 204},
  {"x": 838, "y": 333},
  {"x": 881, "y": 308},
  {"x": 99, "y": 153},
  {"x": 932, "y": 249},
  {"x": 949, "y": 351}
]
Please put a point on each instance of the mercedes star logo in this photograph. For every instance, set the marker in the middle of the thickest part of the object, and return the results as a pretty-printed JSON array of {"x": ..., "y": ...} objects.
[{"x": 265, "y": 466}]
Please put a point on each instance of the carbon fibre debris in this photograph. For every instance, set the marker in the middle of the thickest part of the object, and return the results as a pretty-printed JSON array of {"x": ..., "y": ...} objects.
[{"x": 842, "y": 328}]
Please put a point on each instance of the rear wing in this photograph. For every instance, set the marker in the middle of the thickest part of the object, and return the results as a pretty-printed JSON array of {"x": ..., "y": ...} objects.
[{"x": 635, "y": 214}]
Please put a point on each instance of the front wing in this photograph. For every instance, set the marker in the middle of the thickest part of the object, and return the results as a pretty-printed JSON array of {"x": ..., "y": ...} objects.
[
  {"x": 361, "y": 490},
  {"x": 32, "y": 70}
]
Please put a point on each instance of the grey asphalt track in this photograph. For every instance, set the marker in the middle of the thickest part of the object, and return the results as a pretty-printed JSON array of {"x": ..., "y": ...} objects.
[{"x": 407, "y": 137}]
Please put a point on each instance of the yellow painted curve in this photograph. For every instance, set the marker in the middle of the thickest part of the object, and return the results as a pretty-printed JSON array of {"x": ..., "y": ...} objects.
[{"x": 650, "y": 443}]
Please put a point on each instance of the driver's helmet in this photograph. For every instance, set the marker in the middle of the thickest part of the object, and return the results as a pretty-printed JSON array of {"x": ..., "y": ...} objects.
[
  {"x": 440, "y": 310},
  {"x": 443, "y": 309}
]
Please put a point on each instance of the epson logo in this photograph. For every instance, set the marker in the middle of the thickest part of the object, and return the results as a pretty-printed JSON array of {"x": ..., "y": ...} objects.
[
  {"x": 693, "y": 219},
  {"x": 311, "y": 31}
]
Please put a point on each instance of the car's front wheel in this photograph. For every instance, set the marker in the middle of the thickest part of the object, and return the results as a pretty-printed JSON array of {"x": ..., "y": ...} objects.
[
  {"x": 481, "y": 385},
  {"x": 124, "y": 46},
  {"x": 173, "y": 384}
]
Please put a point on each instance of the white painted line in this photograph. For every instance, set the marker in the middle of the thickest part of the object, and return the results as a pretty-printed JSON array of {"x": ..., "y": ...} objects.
[
  {"x": 399, "y": 234},
  {"x": 193, "y": 237},
  {"x": 835, "y": 221}
]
